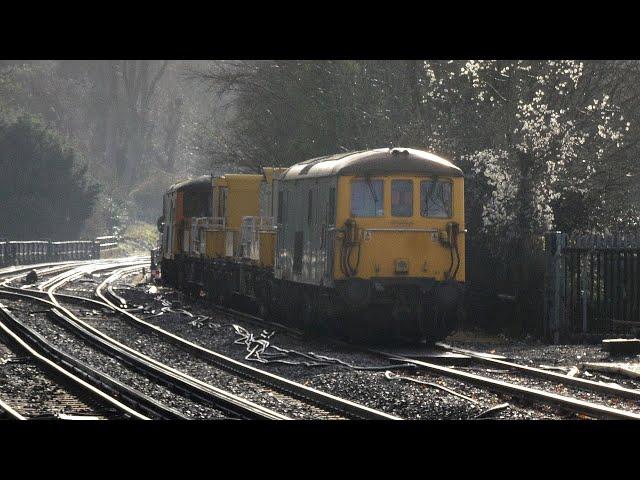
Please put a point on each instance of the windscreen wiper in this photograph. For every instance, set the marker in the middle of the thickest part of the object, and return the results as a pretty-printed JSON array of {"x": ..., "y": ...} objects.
[
  {"x": 429, "y": 195},
  {"x": 373, "y": 193}
]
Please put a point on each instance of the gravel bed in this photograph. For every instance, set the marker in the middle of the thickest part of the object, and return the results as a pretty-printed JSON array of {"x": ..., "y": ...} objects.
[
  {"x": 534, "y": 353},
  {"x": 156, "y": 347},
  {"x": 217, "y": 333},
  {"x": 542, "y": 355},
  {"x": 558, "y": 388},
  {"x": 25, "y": 387},
  {"x": 413, "y": 401},
  {"x": 108, "y": 365},
  {"x": 371, "y": 388}
]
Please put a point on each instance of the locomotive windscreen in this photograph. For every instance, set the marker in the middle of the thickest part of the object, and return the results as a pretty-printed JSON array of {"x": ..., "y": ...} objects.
[
  {"x": 435, "y": 197},
  {"x": 367, "y": 198},
  {"x": 197, "y": 204}
]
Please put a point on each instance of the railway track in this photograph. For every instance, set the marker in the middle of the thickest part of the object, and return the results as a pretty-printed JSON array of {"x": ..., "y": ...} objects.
[
  {"x": 121, "y": 379},
  {"x": 171, "y": 392},
  {"x": 606, "y": 388},
  {"x": 67, "y": 310},
  {"x": 70, "y": 307},
  {"x": 517, "y": 390},
  {"x": 261, "y": 379},
  {"x": 36, "y": 385},
  {"x": 570, "y": 402}
]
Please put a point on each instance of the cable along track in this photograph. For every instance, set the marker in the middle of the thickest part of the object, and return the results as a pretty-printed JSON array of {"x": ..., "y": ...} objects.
[
  {"x": 341, "y": 406},
  {"x": 320, "y": 404},
  {"x": 513, "y": 389},
  {"x": 132, "y": 368}
]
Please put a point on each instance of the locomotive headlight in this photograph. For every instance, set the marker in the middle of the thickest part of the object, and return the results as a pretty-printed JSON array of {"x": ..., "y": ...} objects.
[{"x": 401, "y": 265}]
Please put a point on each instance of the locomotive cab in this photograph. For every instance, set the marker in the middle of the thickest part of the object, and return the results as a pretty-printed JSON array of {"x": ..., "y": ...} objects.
[
  {"x": 402, "y": 245},
  {"x": 383, "y": 230},
  {"x": 348, "y": 242}
]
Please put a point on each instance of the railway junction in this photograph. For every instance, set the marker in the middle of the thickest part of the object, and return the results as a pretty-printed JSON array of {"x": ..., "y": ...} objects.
[{"x": 99, "y": 339}]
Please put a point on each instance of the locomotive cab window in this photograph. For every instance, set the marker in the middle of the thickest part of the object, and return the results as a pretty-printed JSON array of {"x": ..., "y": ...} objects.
[
  {"x": 222, "y": 206},
  {"x": 435, "y": 198},
  {"x": 402, "y": 198},
  {"x": 367, "y": 198},
  {"x": 197, "y": 204},
  {"x": 280, "y": 206},
  {"x": 331, "y": 212}
]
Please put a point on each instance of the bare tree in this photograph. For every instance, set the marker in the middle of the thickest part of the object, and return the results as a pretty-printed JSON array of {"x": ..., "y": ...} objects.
[{"x": 140, "y": 84}]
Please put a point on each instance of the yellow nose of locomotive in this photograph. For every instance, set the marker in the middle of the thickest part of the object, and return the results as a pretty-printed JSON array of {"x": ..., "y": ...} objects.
[{"x": 410, "y": 227}]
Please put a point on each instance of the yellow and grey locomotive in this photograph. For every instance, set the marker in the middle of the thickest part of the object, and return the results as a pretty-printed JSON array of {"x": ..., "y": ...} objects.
[{"x": 359, "y": 241}]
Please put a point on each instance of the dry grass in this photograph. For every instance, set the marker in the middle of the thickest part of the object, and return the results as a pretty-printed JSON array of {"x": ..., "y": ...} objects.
[{"x": 138, "y": 238}]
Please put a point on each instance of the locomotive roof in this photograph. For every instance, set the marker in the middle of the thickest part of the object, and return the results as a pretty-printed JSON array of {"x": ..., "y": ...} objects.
[
  {"x": 374, "y": 162},
  {"x": 199, "y": 183}
]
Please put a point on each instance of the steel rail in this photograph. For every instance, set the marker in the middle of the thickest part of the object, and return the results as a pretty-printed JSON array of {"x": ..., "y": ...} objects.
[
  {"x": 608, "y": 388},
  {"x": 156, "y": 406},
  {"x": 5, "y": 272},
  {"x": 589, "y": 385},
  {"x": 194, "y": 388},
  {"x": 608, "y": 412},
  {"x": 226, "y": 401},
  {"x": 89, "y": 267},
  {"x": 10, "y": 412},
  {"x": 298, "y": 390},
  {"x": 21, "y": 268},
  {"x": 569, "y": 403},
  {"x": 31, "y": 347},
  {"x": 575, "y": 404},
  {"x": 130, "y": 396}
]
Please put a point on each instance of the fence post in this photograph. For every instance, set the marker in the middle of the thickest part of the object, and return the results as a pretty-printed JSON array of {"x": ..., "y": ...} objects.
[
  {"x": 554, "y": 285},
  {"x": 13, "y": 254}
]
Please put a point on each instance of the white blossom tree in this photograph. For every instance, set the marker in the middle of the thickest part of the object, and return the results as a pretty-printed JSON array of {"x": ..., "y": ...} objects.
[{"x": 533, "y": 136}]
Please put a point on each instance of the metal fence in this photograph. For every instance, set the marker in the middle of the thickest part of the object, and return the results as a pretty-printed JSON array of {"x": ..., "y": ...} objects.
[
  {"x": 592, "y": 284},
  {"x": 39, "y": 251}
]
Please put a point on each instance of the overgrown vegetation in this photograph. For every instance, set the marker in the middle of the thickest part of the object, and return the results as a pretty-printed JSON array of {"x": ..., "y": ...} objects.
[
  {"x": 138, "y": 238},
  {"x": 43, "y": 190},
  {"x": 135, "y": 122},
  {"x": 544, "y": 144}
]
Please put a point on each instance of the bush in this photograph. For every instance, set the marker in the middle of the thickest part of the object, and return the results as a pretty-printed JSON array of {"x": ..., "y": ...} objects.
[{"x": 43, "y": 191}]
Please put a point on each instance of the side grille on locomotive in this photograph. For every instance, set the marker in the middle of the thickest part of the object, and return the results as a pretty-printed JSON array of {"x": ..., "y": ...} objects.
[{"x": 401, "y": 265}]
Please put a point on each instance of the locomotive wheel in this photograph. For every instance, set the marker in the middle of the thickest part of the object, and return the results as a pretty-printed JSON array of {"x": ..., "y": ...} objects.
[
  {"x": 360, "y": 325},
  {"x": 192, "y": 290},
  {"x": 263, "y": 310},
  {"x": 436, "y": 326},
  {"x": 309, "y": 311},
  {"x": 330, "y": 313},
  {"x": 265, "y": 303},
  {"x": 277, "y": 310},
  {"x": 291, "y": 305},
  {"x": 227, "y": 290},
  {"x": 223, "y": 294}
]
